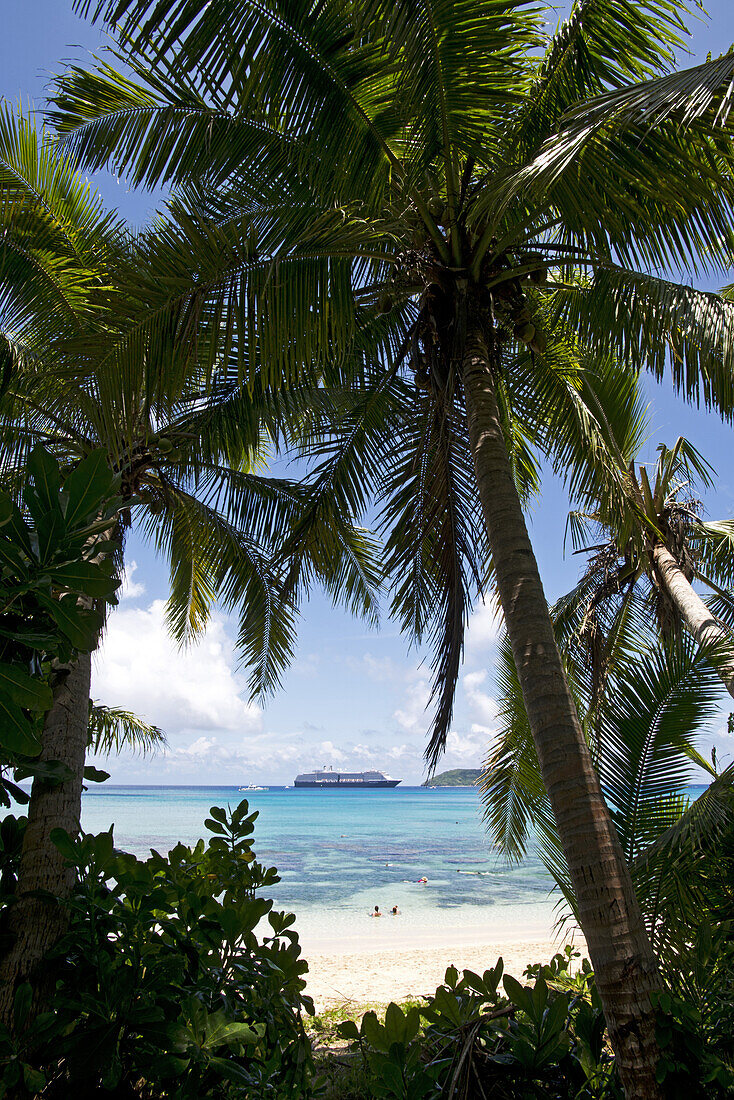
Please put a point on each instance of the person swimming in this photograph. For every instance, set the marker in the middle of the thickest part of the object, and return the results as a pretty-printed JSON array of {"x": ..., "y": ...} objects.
[
  {"x": 377, "y": 912},
  {"x": 395, "y": 911}
]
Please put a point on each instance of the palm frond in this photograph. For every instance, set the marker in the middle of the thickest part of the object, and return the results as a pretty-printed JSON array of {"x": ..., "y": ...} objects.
[
  {"x": 598, "y": 47},
  {"x": 657, "y": 324},
  {"x": 112, "y": 729},
  {"x": 513, "y": 796}
]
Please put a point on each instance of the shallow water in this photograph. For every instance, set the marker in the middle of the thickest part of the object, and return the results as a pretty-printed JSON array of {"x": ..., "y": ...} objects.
[{"x": 341, "y": 853}]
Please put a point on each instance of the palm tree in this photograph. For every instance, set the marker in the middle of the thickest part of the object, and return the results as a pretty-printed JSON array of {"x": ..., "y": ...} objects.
[
  {"x": 645, "y": 559},
  {"x": 393, "y": 197},
  {"x": 657, "y": 701},
  {"x": 187, "y": 444}
]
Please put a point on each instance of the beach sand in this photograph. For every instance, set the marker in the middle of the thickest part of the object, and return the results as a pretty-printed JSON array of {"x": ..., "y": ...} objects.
[{"x": 378, "y": 977}]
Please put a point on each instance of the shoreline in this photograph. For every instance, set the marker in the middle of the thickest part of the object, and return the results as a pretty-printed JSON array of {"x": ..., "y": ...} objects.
[{"x": 381, "y": 975}]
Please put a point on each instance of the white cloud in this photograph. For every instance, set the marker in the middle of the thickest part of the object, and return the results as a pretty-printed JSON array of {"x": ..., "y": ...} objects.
[
  {"x": 472, "y": 680},
  {"x": 330, "y": 752},
  {"x": 380, "y": 669},
  {"x": 141, "y": 668},
  {"x": 130, "y": 589},
  {"x": 482, "y": 707},
  {"x": 306, "y": 665},
  {"x": 468, "y": 747},
  {"x": 484, "y": 626},
  {"x": 411, "y": 716}
]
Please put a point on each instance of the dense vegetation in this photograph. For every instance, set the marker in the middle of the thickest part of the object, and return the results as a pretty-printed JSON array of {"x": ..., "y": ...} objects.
[
  {"x": 456, "y": 777},
  {"x": 174, "y": 977}
]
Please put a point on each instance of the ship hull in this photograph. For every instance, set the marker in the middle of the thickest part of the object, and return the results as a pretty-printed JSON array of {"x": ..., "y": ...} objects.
[{"x": 347, "y": 786}]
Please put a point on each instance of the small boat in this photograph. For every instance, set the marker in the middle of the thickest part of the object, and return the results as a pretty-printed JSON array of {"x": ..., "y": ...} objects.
[{"x": 253, "y": 787}]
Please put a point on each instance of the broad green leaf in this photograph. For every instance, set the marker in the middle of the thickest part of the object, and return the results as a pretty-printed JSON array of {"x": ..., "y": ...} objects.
[
  {"x": 6, "y": 508},
  {"x": 85, "y": 577},
  {"x": 230, "y": 1070},
  {"x": 11, "y": 555},
  {"x": 50, "y": 530},
  {"x": 220, "y": 1031},
  {"x": 95, "y": 775},
  {"x": 50, "y": 771},
  {"x": 34, "y": 1080},
  {"x": 34, "y": 639},
  {"x": 61, "y": 839},
  {"x": 519, "y": 996},
  {"x": 27, "y": 691},
  {"x": 87, "y": 488},
  {"x": 16, "y": 732},
  {"x": 44, "y": 469},
  {"x": 374, "y": 1032},
  {"x": 103, "y": 847},
  {"x": 22, "y": 1005},
  {"x": 395, "y": 1023},
  {"x": 80, "y": 625},
  {"x": 19, "y": 795},
  {"x": 16, "y": 530}
]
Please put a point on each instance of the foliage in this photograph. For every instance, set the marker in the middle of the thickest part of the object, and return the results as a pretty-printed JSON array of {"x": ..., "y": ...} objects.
[
  {"x": 456, "y": 777},
  {"x": 167, "y": 984},
  {"x": 700, "y": 978},
  {"x": 621, "y": 586},
  {"x": 643, "y": 732},
  {"x": 696, "y": 1016},
  {"x": 111, "y": 728},
  {"x": 544, "y": 1039},
  {"x": 190, "y": 445},
  {"x": 57, "y": 576}
]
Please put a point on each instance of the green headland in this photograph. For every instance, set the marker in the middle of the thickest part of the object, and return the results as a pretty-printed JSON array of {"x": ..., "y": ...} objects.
[{"x": 457, "y": 777}]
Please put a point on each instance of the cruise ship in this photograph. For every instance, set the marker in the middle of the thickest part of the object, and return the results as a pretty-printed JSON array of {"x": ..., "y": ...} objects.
[{"x": 328, "y": 779}]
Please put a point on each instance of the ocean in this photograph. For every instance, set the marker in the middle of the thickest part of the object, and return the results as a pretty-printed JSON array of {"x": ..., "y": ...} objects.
[{"x": 341, "y": 853}]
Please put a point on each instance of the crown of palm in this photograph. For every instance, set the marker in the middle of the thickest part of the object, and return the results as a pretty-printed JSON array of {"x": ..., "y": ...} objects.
[
  {"x": 350, "y": 146},
  {"x": 350, "y": 179}
]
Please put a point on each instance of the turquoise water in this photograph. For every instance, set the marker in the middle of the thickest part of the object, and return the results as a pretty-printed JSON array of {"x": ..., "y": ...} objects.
[{"x": 341, "y": 853}]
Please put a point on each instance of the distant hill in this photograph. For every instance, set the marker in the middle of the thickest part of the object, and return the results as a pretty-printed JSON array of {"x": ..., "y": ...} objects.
[{"x": 459, "y": 777}]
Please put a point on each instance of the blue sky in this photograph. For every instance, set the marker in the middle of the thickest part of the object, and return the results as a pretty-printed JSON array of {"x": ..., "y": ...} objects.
[{"x": 352, "y": 698}]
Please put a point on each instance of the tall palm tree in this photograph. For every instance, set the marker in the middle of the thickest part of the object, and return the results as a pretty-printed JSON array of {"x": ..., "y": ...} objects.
[
  {"x": 392, "y": 196},
  {"x": 645, "y": 559},
  {"x": 188, "y": 446}
]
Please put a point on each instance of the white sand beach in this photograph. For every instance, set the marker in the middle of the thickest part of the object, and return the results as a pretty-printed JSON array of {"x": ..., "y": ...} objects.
[{"x": 378, "y": 977}]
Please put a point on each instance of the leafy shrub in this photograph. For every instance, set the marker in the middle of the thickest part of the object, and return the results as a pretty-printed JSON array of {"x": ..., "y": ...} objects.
[
  {"x": 547, "y": 1039},
  {"x": 164, "y": 987},
  {"x": 541, "y": 1040},
  {"x": 57, "y": 574},
  {"x": 695, "y": 1018}
]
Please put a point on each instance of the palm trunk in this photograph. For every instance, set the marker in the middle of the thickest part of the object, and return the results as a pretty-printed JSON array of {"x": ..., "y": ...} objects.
[
  {"x": 36, "y": 921},
  {"x": 609, "y": 914},
  {"x": 695, "y": 614}
]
